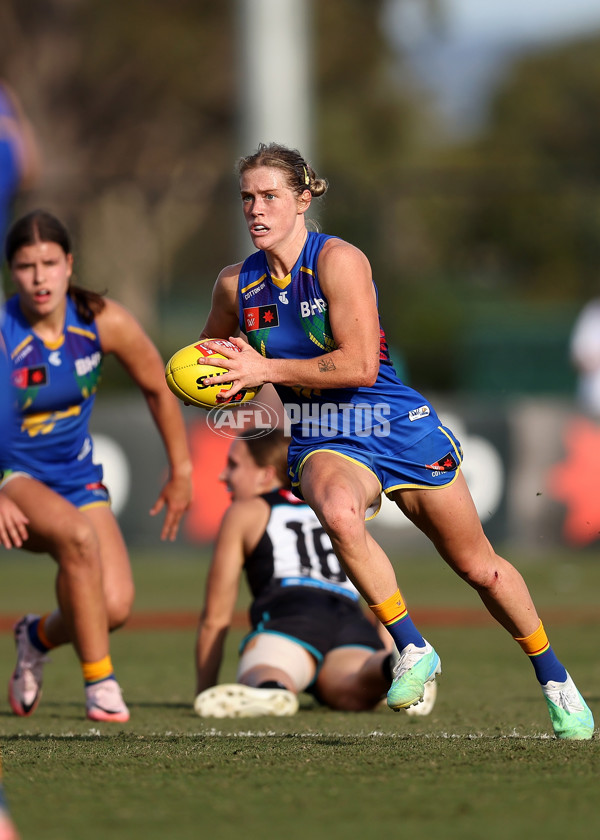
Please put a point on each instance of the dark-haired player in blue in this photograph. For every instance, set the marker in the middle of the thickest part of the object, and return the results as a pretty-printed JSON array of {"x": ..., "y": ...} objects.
[
  {"x": 308, "y": 306},
  {"x": 56, "y": 336}
]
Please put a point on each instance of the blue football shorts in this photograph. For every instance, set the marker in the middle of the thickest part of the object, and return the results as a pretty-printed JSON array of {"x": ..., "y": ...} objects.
[
  {"x": 433, "y": 461},
  {"x": 81, "y": 493}
]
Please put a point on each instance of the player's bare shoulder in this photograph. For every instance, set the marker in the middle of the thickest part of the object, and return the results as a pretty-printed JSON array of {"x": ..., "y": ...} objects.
[
  {"x": 248, "y": 518},
  {"x": 339, "y": 261},
  {"x": 222, "y": 320},
  {"x": 224, "y": 294},
  {"x": 115, "y": 323},
  {"x": 113, "y": 311},
  {"x": 227, "y": 281}
]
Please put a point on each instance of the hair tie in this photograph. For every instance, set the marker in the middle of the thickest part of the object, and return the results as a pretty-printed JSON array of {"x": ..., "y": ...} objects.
[{"x": 306, "y": 176}]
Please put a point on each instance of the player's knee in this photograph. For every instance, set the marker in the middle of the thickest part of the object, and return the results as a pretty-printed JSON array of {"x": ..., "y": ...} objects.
[
  {"x": 118, "y": 609},
  {"x": 342, "y": 519},
  {"x": 77, "y": 544},
  {"x": 482, "y": 577}
]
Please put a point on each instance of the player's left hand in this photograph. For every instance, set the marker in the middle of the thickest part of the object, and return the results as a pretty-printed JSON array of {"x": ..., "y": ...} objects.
[
  {"x": 246, "y": 368},
  {"x": 176, "y": 497}
]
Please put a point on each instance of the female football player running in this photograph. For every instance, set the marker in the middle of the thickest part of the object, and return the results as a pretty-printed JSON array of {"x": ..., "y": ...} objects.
[
  {"x": 308, "y": 306},
  {"x": 56, "y": 335},
  {"x": 309, "y": 632}
]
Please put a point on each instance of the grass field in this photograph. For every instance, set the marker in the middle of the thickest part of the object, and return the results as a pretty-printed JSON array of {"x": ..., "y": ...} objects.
[{"x": 483, "y": 765}]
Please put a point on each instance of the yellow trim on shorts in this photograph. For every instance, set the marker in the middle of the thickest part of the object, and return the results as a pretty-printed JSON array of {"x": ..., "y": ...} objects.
[
  {"x": 352, "y": 461},
  {"x": 458, "y": 454},
  {"x": 459, "y": 460},
  {"x": 10, "y": 474},
  {"x": 95, "y": 505},
  {"x": 389, "y": 490}
]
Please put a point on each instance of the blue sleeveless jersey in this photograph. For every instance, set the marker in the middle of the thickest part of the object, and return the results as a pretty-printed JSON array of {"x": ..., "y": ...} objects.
[
  {"x": 288, "y": 319},
  {"x": 55, "y": 386}
]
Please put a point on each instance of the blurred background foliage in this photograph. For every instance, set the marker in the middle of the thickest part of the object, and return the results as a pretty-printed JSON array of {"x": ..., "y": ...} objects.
[{"x": 483, "y": 249}]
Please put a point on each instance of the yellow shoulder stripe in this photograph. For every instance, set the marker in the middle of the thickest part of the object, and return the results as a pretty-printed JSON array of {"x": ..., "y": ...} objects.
[
  {"x": 20, "y": 346},
  {"x": 252, "y": 285}
]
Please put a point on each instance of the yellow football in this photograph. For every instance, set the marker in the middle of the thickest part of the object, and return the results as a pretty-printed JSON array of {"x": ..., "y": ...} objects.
[{"x": 185, "y": 374}]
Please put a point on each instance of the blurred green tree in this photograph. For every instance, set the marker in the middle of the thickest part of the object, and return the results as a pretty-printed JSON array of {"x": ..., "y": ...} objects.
[
  {"x": 134, "y": 106},
  {"x": 534, "y": 205},
  {"x": 513, "y": 222}
]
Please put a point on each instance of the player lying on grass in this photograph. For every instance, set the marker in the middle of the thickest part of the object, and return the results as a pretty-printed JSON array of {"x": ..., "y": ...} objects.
[
  {"x": 56, "y": 335},
  {"x": 309, "y": 632}
]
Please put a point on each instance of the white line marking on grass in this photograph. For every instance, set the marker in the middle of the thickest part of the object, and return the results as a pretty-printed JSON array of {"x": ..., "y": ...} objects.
[
  {"x": 402, "y": 736},
  {"x": 269, "y": 733}
]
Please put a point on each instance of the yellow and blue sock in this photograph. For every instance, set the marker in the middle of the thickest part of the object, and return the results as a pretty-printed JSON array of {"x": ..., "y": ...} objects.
[
  {"x": 537, "y": 647},
  {"x": 37, "y": 634},
  {"x": 392, "y": 613},
  {"x": 95, "y": 672}
]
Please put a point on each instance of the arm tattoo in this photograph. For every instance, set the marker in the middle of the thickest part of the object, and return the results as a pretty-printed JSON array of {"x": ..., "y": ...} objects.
[{"x": 326, "y": 365}]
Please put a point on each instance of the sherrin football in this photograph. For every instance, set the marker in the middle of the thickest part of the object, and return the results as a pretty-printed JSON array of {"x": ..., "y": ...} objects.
[{"x": 185, "y": 373}]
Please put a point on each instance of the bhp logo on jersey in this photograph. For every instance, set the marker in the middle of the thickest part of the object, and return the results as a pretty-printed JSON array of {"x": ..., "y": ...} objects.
[
  {"x": 87, "y": 364},
  {"x": 311, "y": 307},
  {"x": 261, "y": 317}
]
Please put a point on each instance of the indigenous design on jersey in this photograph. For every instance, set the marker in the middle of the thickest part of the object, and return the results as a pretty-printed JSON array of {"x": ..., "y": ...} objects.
[
  {"x": 54, "y": 387},
  {"x": 389, "y": 414},
  {"x": 314, "y": 319},
  {"x": 294, "y": 551}
]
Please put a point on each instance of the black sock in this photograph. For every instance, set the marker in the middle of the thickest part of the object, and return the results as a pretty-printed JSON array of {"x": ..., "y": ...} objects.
[{"x": 273, "y": 684}]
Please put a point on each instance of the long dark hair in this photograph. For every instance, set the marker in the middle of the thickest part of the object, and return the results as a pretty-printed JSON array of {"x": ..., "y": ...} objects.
[{"x": 41, "y": 226}]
